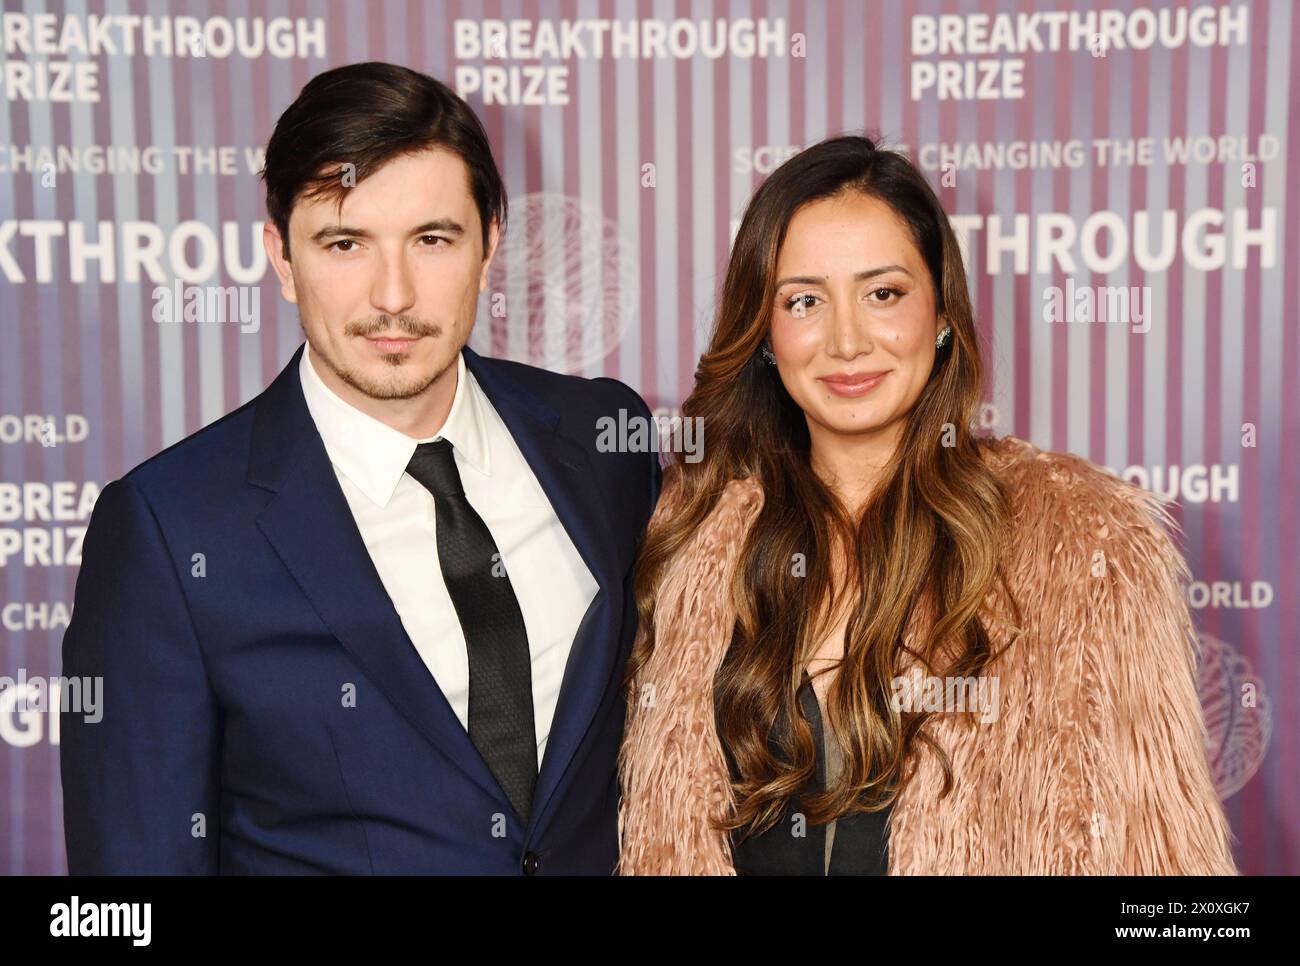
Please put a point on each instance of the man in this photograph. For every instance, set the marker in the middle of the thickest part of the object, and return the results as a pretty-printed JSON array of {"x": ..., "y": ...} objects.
[{"x": 375, "y": 620}]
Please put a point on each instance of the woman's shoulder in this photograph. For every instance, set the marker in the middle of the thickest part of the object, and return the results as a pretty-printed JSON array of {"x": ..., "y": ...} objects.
[
  {"x": 1064, "y": 505},
  {"x": 739, "y": 499},
  {"x": 1022, "y": 465},
  {"x": 1048, "y": 484},
  {"x": 711, "y": 546}
]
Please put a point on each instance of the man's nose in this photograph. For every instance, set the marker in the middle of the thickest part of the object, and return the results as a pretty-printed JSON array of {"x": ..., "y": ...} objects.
[{"x": 393, "y": 290}]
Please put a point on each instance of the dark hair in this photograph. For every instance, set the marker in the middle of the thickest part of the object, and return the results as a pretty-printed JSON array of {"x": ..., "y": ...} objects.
[
  {"x": 927, "y": 540},
  {"x": 366, "y": 115}
]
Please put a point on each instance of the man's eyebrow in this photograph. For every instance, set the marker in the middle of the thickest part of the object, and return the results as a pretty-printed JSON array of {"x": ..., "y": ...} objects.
[
  {"x": 445, "y": 225},
  {"x": 861, "y": 276}
]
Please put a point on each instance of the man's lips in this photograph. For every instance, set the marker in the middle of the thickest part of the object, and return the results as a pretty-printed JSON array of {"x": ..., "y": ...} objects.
[
  {"x": 392, "y": 343},
  {"x": 853, "y": 384}
]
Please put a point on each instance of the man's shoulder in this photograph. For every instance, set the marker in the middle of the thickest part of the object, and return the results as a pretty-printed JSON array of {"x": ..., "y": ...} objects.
[
  {"x": 565, "y": 393},
  {"x": 206, "y": 457}
]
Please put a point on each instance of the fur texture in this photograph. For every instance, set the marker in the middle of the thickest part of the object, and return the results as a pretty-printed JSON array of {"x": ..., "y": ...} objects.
[{"x": 1096, "y": 762}]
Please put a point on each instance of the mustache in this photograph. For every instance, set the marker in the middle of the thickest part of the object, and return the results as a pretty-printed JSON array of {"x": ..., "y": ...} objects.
[{"x": 405, "y": 324}]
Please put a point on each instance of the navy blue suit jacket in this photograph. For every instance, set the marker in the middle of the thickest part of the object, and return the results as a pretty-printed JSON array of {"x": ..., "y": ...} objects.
[{"x": 226, "y": 743}]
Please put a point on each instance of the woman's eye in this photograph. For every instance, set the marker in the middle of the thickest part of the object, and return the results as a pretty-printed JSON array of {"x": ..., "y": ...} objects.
[
  {"x": 885, "y": 294},
  {"x": 800, "y": 304}
]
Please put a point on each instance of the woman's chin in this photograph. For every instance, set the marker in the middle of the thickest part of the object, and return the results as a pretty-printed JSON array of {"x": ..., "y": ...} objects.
[{"x": 851, "y": 420}]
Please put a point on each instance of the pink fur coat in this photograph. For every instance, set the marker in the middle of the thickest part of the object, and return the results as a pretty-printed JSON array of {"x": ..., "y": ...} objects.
[{"x": 1095, "y": 762}]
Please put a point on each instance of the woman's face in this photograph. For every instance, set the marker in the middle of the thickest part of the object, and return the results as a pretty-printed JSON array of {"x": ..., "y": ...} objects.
[{"x": 854, "y": 325}]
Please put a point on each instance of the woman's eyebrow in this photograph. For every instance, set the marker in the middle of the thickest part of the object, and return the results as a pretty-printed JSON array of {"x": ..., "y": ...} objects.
[{"x": 861, "y": 276}]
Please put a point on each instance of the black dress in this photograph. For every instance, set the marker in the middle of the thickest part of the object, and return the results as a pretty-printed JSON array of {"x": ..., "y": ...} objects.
[{"x": 859, "y": 843}]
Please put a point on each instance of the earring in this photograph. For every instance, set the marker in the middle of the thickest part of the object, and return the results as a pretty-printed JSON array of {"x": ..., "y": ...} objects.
[
  {"x": 767, "y": 354},
  {"x": 944, "y": 335}
]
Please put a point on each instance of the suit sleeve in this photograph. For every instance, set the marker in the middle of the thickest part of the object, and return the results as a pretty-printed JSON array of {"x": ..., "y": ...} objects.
[
  {"x": 141, "y": 788},
  {"x": 1133, "y": 749},
  {"x": 653, "y": 469},
  {"x": 656, "y": 477}
]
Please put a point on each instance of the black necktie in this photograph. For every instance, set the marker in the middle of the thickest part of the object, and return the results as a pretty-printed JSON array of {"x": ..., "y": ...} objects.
[{"x": 500, "y": 668}]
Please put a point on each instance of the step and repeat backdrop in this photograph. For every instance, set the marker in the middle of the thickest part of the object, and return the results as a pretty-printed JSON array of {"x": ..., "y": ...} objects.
[{"x": 1125, "y": 180}]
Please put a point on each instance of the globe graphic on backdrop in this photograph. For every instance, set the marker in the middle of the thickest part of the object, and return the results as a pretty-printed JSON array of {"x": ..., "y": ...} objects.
[
  {"x": 1236, "y": 734},
  {"x": 562, "y": 288}
]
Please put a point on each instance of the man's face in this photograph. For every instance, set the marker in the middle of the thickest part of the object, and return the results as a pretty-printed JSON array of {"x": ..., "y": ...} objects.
[{"x": 387, "y": 286}]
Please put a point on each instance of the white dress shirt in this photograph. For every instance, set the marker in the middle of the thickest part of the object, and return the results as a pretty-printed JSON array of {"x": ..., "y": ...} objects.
[{"x": 395, "y": 515}]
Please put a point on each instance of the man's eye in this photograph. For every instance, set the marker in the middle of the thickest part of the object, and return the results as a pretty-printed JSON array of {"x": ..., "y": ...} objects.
[
  {"x": 435, "y": 239},
  {"x": 343, "y": 241}
]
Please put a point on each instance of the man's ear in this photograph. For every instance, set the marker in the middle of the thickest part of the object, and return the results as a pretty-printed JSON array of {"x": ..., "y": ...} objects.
[
  {"x": 274, "y": 245},
  {"x": 494, "y": 236}
]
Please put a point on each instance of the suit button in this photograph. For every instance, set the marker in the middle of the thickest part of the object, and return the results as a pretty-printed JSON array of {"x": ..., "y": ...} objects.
[{"x": 530, "y": 863}]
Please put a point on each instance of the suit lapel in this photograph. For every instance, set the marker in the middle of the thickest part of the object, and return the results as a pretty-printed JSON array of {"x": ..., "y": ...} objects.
[
  {"x": 311, "y": 528},
  {"x": 310, "y": 525},
  {"x": 563, "y": 468}
]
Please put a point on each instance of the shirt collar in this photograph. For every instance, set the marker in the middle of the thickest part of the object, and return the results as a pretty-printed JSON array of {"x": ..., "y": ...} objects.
[{"x": 372, "y": 454}]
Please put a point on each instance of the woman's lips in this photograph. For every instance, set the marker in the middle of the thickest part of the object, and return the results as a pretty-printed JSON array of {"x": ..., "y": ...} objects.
[{"x": 856, "y": 384}]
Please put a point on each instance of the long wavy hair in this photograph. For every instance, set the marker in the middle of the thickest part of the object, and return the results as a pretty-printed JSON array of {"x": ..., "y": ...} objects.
[{"x": 928, "y": 536}]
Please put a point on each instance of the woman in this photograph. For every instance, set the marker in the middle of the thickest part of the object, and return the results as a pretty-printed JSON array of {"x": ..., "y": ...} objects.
[{"x": 826, "y": 594}]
